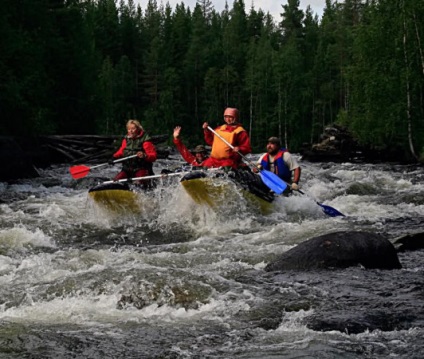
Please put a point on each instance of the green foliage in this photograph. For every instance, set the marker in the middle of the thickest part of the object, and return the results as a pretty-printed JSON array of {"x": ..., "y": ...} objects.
[
  {"x": 87, "y": 66},
  {"x": 382, "y": 80}
]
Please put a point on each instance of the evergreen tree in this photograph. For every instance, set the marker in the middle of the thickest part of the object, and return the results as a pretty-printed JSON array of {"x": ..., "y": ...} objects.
[
  {"x": 105, "y": 124},
  {"x": 290, "y": 77},
  {"x": 25, "y": 103},
  {"x": 260, "y": 81},
  {"x": 83, "y": 66},
  {"x": 196, "y": 62},
  {"x": 152, "y": 69},
  {"x": 312, "y": 74},
  {"x": 107, "y": 29},
  {"x": 384, "y": 78},
  {"x": 235, "y": 43}
]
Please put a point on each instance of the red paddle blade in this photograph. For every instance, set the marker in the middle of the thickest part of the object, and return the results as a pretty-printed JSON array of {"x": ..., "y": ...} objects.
[{"x": 79, "y": 171}]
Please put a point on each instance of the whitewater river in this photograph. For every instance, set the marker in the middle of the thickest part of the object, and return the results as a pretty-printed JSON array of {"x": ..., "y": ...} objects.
[{"x": 183, "y": 281}]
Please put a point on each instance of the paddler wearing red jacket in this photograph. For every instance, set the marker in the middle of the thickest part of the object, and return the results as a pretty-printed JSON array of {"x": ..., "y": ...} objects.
[
  {"x": 223, "y": 155},
  {"x": 138, "y": 142},
  {"x": 199, "y": 153}
]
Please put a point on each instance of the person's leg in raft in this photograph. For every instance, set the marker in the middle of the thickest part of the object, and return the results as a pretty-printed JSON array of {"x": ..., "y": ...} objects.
[
  {"x": 145, "y": 184},
  {"x": 120, "y": 175}
]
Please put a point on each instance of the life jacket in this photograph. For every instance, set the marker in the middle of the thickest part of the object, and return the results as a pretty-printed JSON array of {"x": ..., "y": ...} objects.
[
  {"x": 220, "y": 149},
  {"x": 134, "y": 145},
  {"x": 280, "y": 168}
]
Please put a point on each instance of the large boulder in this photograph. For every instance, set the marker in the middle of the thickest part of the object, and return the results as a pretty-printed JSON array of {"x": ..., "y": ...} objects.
[{"x": 339, "y": 250}]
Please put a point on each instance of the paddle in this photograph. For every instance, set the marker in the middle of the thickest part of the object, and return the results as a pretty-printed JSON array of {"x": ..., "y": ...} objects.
[
  {"x": 271, "y": 180},
  {"x": 275, "y": 183},
  {"x": 163, "y": 175},
  {"x": 147, "y": 177},
  {"x": 82, "y": 171},
  {"x": 330, "y": 211}
]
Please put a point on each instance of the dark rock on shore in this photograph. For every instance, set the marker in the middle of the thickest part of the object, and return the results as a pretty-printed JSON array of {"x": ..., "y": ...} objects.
[
  {"x": 338, "y": 144},
  {"x": 15, "y": 162},
  {"x": 339, "y": 250}
]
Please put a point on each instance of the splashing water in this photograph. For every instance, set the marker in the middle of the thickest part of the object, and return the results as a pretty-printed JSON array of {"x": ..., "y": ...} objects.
[{"x": 184, "y": 280}]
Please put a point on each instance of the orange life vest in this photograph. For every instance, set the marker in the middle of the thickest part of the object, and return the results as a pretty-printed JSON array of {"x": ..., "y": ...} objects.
[{"x": 220, "y": 149}]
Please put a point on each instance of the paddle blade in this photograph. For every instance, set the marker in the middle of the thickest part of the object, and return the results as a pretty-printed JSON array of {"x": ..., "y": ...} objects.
[
  {"x": 332, "y": 212},
  {"x": 273, "y": 182},
  {"x": 79, "y": 171}
]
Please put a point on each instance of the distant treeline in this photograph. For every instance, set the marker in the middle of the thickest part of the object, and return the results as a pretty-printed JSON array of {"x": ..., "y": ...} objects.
[{"x": 86, "y": 66}]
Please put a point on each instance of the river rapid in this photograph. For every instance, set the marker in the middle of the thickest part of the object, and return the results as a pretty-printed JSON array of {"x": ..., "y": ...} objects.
[{"x": 180, "y": 280}]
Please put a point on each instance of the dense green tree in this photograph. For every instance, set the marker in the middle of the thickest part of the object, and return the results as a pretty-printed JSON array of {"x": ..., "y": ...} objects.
[
  {"x": 24, "y": 88},
  {"x": 105, "y": 92},
  {"x": 207, "y": 8},
  {"x": 73, "y": 65},
  {"x": 387, "y": 78},
  {"x": 260, "y": 80},
  {"x": 84, "y": 66},
  {"x": 196, "y": 63},
  {"x": 290, "y": 84},
  {"x": 214, "y": 86},
  {"x": 107, "y": 39},
  {"x": 311, "y": 41},
  {"x": 234, "y": 43},
  {"x": 176, "y": 45}
]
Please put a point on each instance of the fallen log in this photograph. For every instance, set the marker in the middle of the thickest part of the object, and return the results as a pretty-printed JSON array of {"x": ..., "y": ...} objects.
[{"x": 91, "y": 148}]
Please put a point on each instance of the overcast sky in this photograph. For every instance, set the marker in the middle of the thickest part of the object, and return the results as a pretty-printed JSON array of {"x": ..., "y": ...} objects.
[{"x": 274, "y": 7}]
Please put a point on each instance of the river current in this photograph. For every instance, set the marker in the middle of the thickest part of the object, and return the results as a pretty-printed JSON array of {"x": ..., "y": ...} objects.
[{"x": 180, "y": 280}]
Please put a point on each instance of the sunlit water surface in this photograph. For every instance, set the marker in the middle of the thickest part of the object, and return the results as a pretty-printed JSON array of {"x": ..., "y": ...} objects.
[{"x": 179, "y": 280}]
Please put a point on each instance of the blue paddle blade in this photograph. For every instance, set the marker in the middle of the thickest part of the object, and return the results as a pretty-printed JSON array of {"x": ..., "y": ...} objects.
[
  {"x": 273, "y": 182},
  {"x": 332, "y": 212}
]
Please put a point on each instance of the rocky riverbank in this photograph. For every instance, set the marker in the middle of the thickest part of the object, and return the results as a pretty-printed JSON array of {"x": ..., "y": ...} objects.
[{"x": 337, "y": 144}]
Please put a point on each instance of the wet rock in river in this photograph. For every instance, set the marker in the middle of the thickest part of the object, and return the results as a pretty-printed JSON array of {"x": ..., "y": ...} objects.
[
  {"x": 409, "y": 242},
  {"x": 359, "y": 322},
  {"x": 144, "y": 293},
  {"x": 339, "y": 250}
]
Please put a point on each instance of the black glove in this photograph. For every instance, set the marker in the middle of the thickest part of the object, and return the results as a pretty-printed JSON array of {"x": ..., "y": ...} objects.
[{"x": 111, "y": 161}]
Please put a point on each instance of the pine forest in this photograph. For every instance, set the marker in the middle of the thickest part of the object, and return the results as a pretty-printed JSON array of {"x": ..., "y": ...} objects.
[{"x": 87, "y": 66}]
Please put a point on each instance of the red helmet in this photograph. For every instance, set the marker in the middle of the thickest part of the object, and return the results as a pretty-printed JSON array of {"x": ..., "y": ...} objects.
[{"x": 230, "y": 111}]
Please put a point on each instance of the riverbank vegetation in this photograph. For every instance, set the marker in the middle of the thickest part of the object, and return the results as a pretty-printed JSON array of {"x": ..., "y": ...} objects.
[{"x": 85, "y": 67}]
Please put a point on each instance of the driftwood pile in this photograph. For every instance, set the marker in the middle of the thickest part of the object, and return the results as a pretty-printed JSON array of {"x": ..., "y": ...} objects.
[
  {"x": 92, "y": 148},
  {"x": 20, "y": 157}
]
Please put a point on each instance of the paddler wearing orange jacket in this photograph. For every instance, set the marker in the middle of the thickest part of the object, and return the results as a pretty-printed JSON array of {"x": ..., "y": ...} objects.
[{"x": 223, "y": 155}]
